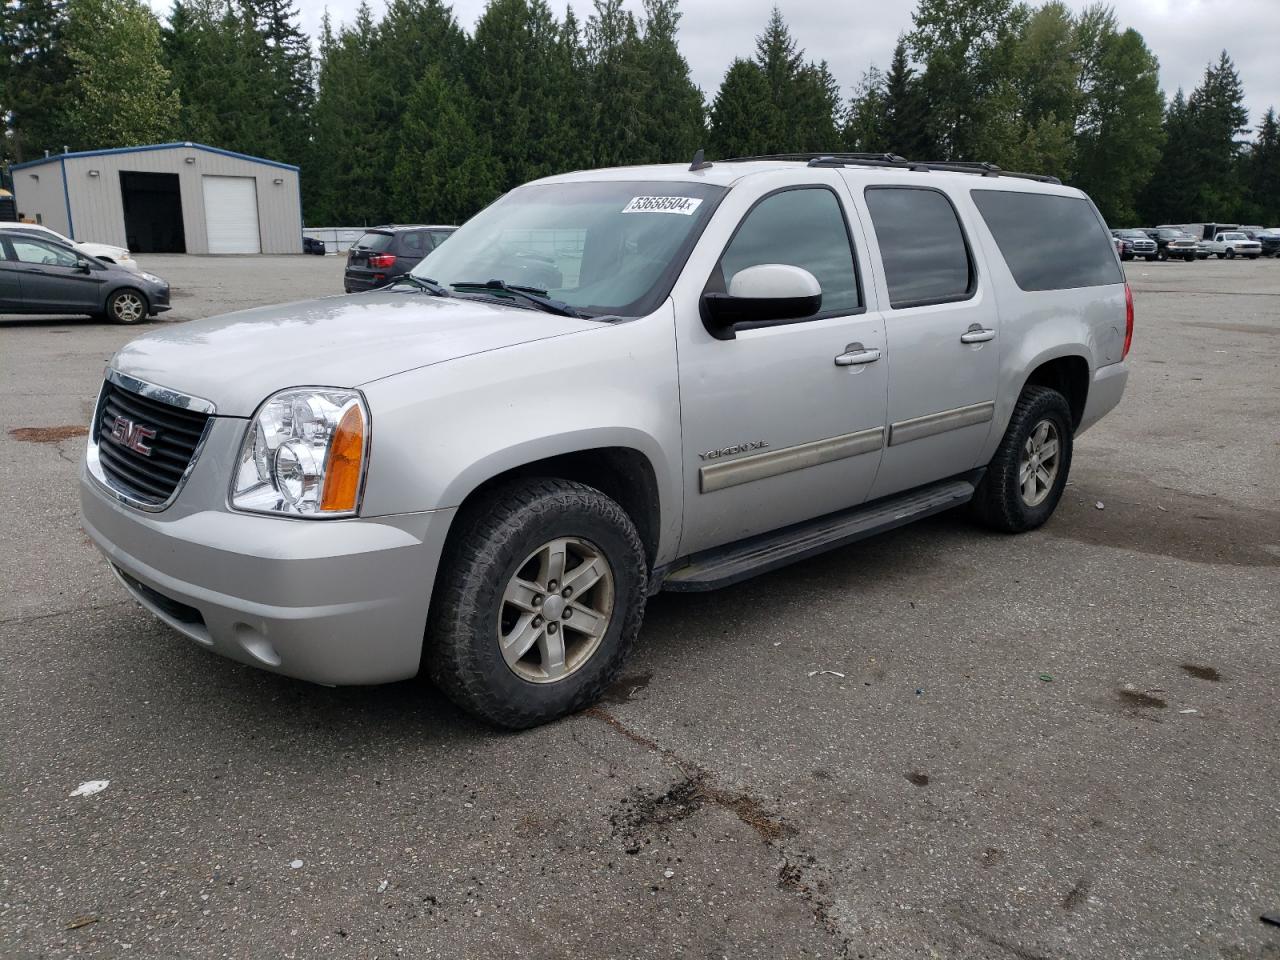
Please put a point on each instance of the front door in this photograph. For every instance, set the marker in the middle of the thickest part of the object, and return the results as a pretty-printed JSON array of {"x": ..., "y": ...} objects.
[
  {"x": 51, "y": 281},
  {"x": 775, "y": 429},
  {"x": 941, "y": 326}
]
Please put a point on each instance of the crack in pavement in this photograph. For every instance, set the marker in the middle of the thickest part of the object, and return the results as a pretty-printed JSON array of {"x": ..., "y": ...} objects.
[
  {"x": 799, "y": 872},
  {"x": 32, "y": 618}
]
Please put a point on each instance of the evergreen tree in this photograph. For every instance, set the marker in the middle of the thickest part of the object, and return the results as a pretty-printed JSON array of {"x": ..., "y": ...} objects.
[
  {"x": 1120, "y": 132},
  {"x": 346, "y": 181},
  {"x": 866, "y": 125},
  {"x": 741, "y": 115},
  {"x": 1169, "y": 196},
  {"x": 617, "y": 85},
  {"x": 515, "y": 59},
  {"x": 35, "y": 88},
  {"x": 674, "y": 125},
  {"x": 123, "y": 95},
  {"x": 1263, "y": 174},
  {"x": 786, "y": 105},
  {"x": 288, "y": 70},
  {"x": 1217, "y": 121},
  {"x": 444, "y": 172},
  {"x": 1045, "y": 93},
  {"x": 906, "y": 109}
]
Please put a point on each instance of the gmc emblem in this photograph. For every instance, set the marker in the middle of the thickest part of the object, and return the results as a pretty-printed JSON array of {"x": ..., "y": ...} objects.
[{"x": 132, "y": 435}]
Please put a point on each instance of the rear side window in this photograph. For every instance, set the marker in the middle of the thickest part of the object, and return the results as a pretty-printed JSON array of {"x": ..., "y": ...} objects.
[
  {"x": 439, "y": 236},
  {"x": 1049, "y": 242},
  {"x": 926, "y": 257},
  {"x": 802, "y": 227},
  {"x": 374, "y": 241},
  {"x": 413, "y": 242}
]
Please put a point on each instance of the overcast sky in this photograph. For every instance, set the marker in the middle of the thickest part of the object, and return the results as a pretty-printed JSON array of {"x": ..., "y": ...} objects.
[{"x": 853, "y": 34}]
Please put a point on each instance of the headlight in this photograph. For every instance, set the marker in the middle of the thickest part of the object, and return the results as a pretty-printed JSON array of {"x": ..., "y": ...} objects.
[
  {"x": 304, "y": 454},
  {"x": 152, "y": 278}
]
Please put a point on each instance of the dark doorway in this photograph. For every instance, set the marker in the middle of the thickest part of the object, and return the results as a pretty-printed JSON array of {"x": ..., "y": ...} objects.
[{"x": 152, "y": 212}]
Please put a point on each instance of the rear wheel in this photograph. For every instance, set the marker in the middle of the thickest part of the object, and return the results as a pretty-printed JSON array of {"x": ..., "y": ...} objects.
[
  {"x": 127, "y": 306},
  {"x": 1026, "y": 477},
  {"x": 538, "y": 603}
]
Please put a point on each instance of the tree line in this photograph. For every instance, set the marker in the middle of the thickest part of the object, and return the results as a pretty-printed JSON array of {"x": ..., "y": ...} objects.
[{"x": 408, "y": 117}]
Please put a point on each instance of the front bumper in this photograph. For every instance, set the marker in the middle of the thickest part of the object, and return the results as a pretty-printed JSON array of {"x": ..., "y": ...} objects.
[{"x": 333, "y": 602}]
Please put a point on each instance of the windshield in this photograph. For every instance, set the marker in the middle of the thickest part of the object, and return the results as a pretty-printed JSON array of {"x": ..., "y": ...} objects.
[
  {"x": 601, "y": 247},
  {"x": 1134, "y": 234},
  {"x": 1234, "y": 236}
]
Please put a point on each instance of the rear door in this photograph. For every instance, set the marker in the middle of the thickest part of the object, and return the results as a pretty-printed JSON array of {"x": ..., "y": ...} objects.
[
  {"x": 941, "y": 329},
  {"x": 51, "y": 282}
]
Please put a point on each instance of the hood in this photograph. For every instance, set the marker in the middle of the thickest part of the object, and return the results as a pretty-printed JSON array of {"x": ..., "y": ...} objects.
[
  {"x": 103, "y": 250},
  {"x": 239, "y": 359}
]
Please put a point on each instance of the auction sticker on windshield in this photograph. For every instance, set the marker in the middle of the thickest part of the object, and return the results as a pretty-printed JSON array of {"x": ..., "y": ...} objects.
[{"x": 681, "y": 205}]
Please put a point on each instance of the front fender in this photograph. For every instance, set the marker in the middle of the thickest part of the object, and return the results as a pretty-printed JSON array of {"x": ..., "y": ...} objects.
[{"x": 439, "y": 432}]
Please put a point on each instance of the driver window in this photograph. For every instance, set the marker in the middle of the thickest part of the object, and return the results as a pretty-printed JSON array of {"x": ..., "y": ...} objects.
[
  {"x": 802, "y": 228},
  {"x": 33, "y": 251}
]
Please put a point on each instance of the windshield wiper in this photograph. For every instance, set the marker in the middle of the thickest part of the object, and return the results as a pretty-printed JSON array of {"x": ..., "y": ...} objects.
[
  {"x": 532, "y": 295},
  {"x": 423, "y": 283}
]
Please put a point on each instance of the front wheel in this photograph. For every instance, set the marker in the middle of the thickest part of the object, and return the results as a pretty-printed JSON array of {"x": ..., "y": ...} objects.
[
  {"x": 1026, "y": 477},
  {"x": 127, "y": 306},
  {"x": 539, "y": 601},
  {"x": 1231, "y": 254}
]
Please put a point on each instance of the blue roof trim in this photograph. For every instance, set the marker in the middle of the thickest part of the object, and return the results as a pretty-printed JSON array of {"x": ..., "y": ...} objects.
[{"x": 153, "y": 146}]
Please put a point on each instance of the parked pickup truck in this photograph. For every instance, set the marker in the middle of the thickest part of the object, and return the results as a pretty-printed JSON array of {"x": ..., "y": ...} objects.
[
  {"x": 742, "y": 365},
  {"x": 1233, "y": 243}
]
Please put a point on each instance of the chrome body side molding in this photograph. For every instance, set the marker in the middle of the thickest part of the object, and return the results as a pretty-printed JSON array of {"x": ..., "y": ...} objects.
[
  {"x": 917, "y": 428},
  {"x": 759, "y": 466}
]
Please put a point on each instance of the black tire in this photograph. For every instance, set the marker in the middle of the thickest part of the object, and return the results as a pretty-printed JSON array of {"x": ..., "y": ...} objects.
[
  {"x": 128, "y": 306},
  {"x": 487, "y": 547},
  {"x": 1231, "y": 254},
  {"x": 999, "y": 502},
  {"x": 1162, "y": 256}
]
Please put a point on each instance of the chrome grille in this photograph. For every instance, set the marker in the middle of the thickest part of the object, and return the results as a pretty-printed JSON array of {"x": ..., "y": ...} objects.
[{"x": 165, "y": 440}]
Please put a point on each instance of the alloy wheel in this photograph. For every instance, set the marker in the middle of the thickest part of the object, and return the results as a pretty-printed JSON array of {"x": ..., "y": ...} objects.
[
  {"x": 1038, "y": 466},
  {"x": 556, "y": 610},
  {"x": 128, "y": 307}
]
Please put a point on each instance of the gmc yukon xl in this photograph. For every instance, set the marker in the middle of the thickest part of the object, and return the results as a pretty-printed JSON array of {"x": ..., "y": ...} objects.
[{"x": 606, "y": 384}]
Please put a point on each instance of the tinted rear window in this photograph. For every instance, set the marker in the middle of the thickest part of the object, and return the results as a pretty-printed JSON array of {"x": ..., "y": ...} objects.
[
  {"x": 374, "y": 241},
  {"x": 926, "y": 258},
  {"x": 1049, "y": 242}
]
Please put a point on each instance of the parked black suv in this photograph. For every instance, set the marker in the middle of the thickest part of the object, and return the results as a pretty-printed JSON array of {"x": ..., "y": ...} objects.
[
  {"x": 386, "y": 252},
  {"x": 1135, "y": 243}
]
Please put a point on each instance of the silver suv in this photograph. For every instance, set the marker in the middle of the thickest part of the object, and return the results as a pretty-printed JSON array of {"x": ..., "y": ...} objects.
[{"x": 604, "y": 385}]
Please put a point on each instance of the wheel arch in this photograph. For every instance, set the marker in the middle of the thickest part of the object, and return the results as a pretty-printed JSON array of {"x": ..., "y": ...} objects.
[
  {"x": 1069, "y": 375},
  {"x": 623, "y": 473}
]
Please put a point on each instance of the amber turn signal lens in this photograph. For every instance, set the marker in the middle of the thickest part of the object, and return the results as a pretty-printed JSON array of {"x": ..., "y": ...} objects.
[{"x": 345, "y": 464}]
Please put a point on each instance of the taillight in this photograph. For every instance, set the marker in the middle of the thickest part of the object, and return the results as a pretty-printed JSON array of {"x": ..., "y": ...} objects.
[
  {"x": 1128, "y": 320},
  {"x": 380, "y": 261}
]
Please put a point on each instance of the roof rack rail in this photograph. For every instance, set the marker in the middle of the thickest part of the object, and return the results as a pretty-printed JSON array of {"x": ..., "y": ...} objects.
[{"x": 838, "y": 159}]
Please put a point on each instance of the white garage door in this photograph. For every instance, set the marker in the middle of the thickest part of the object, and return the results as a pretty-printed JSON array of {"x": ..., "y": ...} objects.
[{"x": 231, "y": 214}]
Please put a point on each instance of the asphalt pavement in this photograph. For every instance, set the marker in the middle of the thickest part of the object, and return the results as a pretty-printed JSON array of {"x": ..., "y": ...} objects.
[{"x": 940, "y": 743}]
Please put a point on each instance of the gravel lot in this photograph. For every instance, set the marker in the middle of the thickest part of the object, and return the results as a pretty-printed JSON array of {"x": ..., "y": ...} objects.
[{"x": 940, "y": 799}]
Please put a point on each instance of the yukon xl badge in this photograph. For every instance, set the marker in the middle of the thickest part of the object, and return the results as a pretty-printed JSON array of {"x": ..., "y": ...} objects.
[
  {"x": 736, "y": 448},
  {"x": 132, "y": 435}
]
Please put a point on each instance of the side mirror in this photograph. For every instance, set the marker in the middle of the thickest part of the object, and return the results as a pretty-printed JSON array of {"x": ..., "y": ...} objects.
[
  {"x": 767, "y": 293},
  {"x": 82, "y": 265}
]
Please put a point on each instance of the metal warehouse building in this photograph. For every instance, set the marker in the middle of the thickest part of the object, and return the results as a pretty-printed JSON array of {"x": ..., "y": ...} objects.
[{"x": 166, "y": 198}]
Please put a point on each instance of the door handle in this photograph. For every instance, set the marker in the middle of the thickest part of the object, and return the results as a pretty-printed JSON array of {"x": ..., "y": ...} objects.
[
  {"x": 855, "y": 354},
  {"x": 977, "y": 334}
]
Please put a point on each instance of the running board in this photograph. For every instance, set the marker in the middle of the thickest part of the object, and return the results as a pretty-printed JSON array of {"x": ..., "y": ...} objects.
[{"x": 769, "y": 551}]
